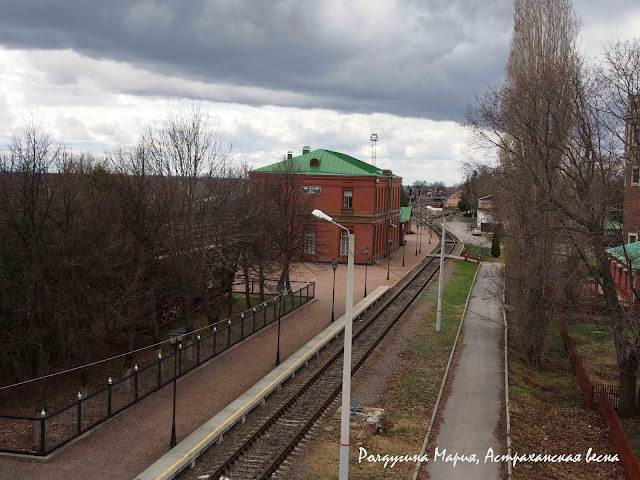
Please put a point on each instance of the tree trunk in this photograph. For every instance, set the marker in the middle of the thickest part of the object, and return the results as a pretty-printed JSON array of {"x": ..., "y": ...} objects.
[
  {"x": 187, "y": 311},
  {"x": 247, "y": 293},
  {"x": 230, "y": 300},
  {"x": 628, "y": 406},
  {"x": 261, "y": 280},
  {"x": 208, "y": 309}
]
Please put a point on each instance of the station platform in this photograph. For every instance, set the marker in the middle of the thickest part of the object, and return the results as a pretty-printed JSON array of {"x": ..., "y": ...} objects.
[{"x": 186, "y": 452}]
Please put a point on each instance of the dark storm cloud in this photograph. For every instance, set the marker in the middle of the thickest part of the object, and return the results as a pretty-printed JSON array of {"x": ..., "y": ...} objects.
[{"x": 410, "y": 58}]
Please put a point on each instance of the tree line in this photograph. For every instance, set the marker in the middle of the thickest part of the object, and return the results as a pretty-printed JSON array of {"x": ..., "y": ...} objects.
[
  {"x": 561, "y": 127},
  {"x": 92, "y": 250}
]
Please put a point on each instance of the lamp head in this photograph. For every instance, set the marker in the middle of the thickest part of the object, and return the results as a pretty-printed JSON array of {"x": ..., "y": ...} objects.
[
  {"x": 366, "y": 250},
  {"x": 322, "y": 215},
  {"x": 334, "y": 265}
]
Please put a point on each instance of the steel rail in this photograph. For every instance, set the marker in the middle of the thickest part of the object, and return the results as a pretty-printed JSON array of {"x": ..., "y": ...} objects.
[{"x": 279, "y": 457}]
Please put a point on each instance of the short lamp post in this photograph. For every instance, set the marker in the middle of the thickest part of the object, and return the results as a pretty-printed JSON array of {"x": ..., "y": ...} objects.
[
  {"x": 346, "y": 364},
  {"x": 421, "y": 233},
  {"x": 175, "y": 337},
  {"x": 404, "y": 244},
  {"x": 334, "y": 265},
  {"x": 366, "y": 264},
  {"x": 418, "y": 233}
]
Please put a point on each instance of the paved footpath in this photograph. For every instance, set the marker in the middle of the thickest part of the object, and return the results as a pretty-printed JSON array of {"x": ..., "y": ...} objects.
[
  {"x": 130, "y": 443},
  {"x": 472, "y": 412}
]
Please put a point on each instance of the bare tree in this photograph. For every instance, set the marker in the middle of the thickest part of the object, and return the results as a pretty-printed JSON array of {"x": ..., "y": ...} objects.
[
  {"x": 289, "y": 214},
  {"x": 528, "y": 118}
]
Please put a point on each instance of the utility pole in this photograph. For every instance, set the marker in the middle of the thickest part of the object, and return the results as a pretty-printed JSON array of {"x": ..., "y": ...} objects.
[{"x": 441, "y": 278}]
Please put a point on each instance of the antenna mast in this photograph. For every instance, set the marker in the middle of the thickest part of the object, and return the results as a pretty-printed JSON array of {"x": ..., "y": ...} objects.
[{"x": 374, "y": 141}]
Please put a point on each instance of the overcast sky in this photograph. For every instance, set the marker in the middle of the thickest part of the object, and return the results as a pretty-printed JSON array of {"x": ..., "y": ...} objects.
[{"x": 278, "y": 74}]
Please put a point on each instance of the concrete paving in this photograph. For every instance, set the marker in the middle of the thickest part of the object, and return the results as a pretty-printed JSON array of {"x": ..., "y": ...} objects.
[
  {"x": 472, "y": 411},
  {"x": 463, "y": 231}
]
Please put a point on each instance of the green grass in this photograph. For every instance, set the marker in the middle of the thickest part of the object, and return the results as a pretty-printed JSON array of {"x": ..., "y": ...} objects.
[
  {"x": 594, "y": 343},
  {"x": 411, "y": 393},
  {"x": 475, "y": 251}
]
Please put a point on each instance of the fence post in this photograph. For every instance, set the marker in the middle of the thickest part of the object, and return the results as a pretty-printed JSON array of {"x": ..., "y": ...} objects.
[
  {"x": 79, "y": 413},
  {"x": 242, "y": 326},
  {"x": 159, "y": 369},
  {"x": 135, "y": 383},
  {"x": 254, "y": 319},
  {"x": 228, "y": 333},
  {"x": 109, "y": 387},
  {"x": 274, "y": 308},
  {"x": 264, "y": 311},
  {"x": 313, "y": 295},
  {"x": 198, "y": 350},
  {"x": 215, "y": 342},
  {"x": 43, "y": 419}
]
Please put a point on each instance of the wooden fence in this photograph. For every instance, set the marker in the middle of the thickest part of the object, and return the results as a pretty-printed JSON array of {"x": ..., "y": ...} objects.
[{"x": 619, "y": 439}]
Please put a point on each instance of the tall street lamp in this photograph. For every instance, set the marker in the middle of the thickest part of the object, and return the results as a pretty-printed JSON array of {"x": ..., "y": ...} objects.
[
  {"x": 175, "y": 337},
  {"x": 279, "y": 297},
  {"x": 366, "y": 264},
  {"x": 334, "y": 265},
  {"x": 346, "y": 364},
  {"x": 389, "y": 260}
]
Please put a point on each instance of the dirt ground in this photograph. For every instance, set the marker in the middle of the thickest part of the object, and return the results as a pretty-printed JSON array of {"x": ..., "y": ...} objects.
[
  {"x": 548, "y": 415},
  {"x": 385, "y": 381}
]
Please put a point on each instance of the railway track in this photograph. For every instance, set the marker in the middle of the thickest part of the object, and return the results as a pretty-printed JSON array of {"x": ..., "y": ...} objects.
[{"x": 256, "y": 448}]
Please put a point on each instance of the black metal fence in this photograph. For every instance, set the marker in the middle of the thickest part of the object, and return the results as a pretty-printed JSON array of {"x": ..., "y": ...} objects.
[{"x": 44, "y": 434}]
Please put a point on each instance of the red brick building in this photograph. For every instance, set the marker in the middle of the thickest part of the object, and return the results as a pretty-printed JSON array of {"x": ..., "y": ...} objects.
[
  {"x": 631, "y": 212},
  {"x": 624, "y": 262},
  {"x": 357, "y": 195}
]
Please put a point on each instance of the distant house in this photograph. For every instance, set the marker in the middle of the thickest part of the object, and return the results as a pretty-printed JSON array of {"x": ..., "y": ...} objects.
[
  {"x": 487, "y": 220},
  {"x": 454, "y": 199},
  {"x": 624, "y": 263}
]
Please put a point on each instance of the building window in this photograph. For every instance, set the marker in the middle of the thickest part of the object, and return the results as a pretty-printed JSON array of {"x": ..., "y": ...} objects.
[
  {"x": 635, "y": 176},
  {"x": 310, "y": 242},
  {"x": 633, "y": 238},
  {"x": 348, "y": 199},
  {"x": 344, "y": 242}
]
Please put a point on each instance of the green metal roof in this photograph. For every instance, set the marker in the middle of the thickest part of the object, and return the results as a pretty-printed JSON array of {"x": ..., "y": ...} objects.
[
  {"x": 632, "y": 252},
  {"x": 405, "y": 214},
  {"x": 612, "y": 226},
  {"x": 330, "y": 163}
]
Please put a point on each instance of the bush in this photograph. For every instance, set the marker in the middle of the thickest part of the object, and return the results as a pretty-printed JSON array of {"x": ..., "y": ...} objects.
[{"x": 495, "y": 245}]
